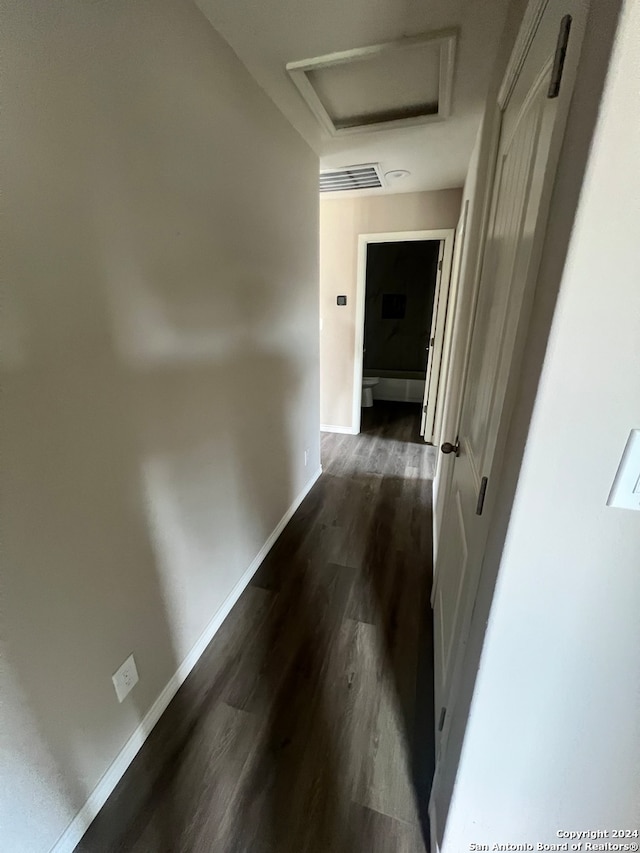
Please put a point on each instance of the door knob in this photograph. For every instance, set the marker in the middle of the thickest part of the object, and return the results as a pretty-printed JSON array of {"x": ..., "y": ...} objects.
[{"x": 447, "y": 447}]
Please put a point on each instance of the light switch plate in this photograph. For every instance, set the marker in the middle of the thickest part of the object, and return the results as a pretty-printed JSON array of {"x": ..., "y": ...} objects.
[
  {"x": 625, "y": 492},
  {"x": 125, "y": 678}
]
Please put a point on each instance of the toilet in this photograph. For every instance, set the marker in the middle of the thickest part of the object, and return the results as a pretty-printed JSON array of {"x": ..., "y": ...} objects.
[{"x": 368, "y": 384}]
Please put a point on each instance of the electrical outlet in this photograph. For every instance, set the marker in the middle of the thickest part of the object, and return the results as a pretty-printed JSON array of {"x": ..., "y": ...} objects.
[
  {"x": 125, "y": 678},
  {"x": 306, "y": 457}
]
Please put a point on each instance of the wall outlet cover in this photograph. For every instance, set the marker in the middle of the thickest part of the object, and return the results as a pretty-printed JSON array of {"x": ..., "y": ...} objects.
[{"x": 125, "y": 678}]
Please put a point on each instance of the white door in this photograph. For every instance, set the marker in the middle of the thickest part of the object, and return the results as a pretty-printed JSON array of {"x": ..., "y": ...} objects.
[
  {"x": 530, "y": 135},
  {"x": 436, "y": 338}
]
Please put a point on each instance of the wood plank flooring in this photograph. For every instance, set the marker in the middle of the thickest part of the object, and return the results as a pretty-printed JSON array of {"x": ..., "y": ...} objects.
[{"x": 307, "y": 725}]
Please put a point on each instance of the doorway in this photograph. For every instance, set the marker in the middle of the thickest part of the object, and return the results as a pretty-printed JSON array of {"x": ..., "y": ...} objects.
[{"x": 402, "y": 297}]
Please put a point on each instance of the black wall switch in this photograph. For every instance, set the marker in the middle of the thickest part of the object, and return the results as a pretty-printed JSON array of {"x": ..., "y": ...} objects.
[{"x": 342, "y": 300}]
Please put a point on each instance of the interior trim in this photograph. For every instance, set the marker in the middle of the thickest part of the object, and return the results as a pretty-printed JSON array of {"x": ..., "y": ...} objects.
[
  {"x": 340, "y": 429},
  {"x": 528, "y": 27},
  {"x": 298, "y": 71}
]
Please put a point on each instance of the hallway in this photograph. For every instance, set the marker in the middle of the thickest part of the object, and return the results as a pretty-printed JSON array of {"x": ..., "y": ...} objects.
[{"x": 308, "y": 723}]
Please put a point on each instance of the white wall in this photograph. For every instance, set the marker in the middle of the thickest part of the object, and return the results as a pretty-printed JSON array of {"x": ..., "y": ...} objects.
[
  {"x": 341, "y": 221},
  {"x": 160, "y": 369},
  {"x": 553, "y": 737}
]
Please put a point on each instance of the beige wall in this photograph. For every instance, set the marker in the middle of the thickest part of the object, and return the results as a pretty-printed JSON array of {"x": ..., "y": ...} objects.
[
  {"x": 341, "y": 221},
  {"x": 160, "y": 369}
]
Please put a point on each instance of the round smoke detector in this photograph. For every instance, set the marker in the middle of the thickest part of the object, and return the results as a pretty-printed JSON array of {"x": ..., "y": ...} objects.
[{"x": 397, "y": 174}]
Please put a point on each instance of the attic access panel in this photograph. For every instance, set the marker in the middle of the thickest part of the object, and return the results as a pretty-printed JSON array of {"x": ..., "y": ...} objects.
[{"x": 396, "y": 84}]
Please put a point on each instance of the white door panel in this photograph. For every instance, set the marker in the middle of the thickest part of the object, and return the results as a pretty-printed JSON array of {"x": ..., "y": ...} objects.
[
  {"x": 500, "y": 299},
  {"x": 449, "y": 601},
  {"x": 531, "y": 131}
]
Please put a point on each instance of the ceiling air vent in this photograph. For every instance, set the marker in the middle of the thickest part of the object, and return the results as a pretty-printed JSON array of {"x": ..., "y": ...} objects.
[{"x": 365, "y": 177}]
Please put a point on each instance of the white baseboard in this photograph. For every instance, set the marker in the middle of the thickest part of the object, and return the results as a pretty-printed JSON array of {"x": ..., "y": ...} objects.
[
  {"x": 79, "y": 825},
  {"x": 340, "y": 429}
]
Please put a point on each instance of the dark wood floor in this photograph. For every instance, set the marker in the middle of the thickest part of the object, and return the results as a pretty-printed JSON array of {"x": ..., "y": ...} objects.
[{"x": 307, "y": 725}]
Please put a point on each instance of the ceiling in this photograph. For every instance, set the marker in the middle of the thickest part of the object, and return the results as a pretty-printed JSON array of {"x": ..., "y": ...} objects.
[{"x": 267, "y": 34}]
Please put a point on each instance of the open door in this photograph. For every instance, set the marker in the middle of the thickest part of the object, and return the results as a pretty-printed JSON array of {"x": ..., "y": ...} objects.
[
  {"x": 436, "y": 338},
  {"x": 533, "y": 107}
]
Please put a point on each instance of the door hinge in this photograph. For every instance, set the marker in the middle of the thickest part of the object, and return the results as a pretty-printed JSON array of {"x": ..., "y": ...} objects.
[
  {"x": 443, "y": 714},
  {"x": 481, "y": 494},
  {"x": 439, "y": 265},
  {"x": 558, "y": 60},
  {"x": 424, "y": 409}
]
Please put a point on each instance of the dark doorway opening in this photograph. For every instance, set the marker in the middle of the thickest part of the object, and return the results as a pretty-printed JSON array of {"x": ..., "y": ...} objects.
[{"x": 400, "y": 291}]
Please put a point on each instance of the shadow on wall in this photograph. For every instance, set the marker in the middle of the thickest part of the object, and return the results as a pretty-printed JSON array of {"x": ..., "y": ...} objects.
[
  {"x": 141, "y": 494},
  {"x": 156, "y": 435},
  {"x": 159, "y": 385},
  {"x": 152, "y": 386}
]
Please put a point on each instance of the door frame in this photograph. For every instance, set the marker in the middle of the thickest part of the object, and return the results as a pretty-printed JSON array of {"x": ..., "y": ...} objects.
[
  {"x": 454, "y": 286},
  {"x": 443, "y": 235}
]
